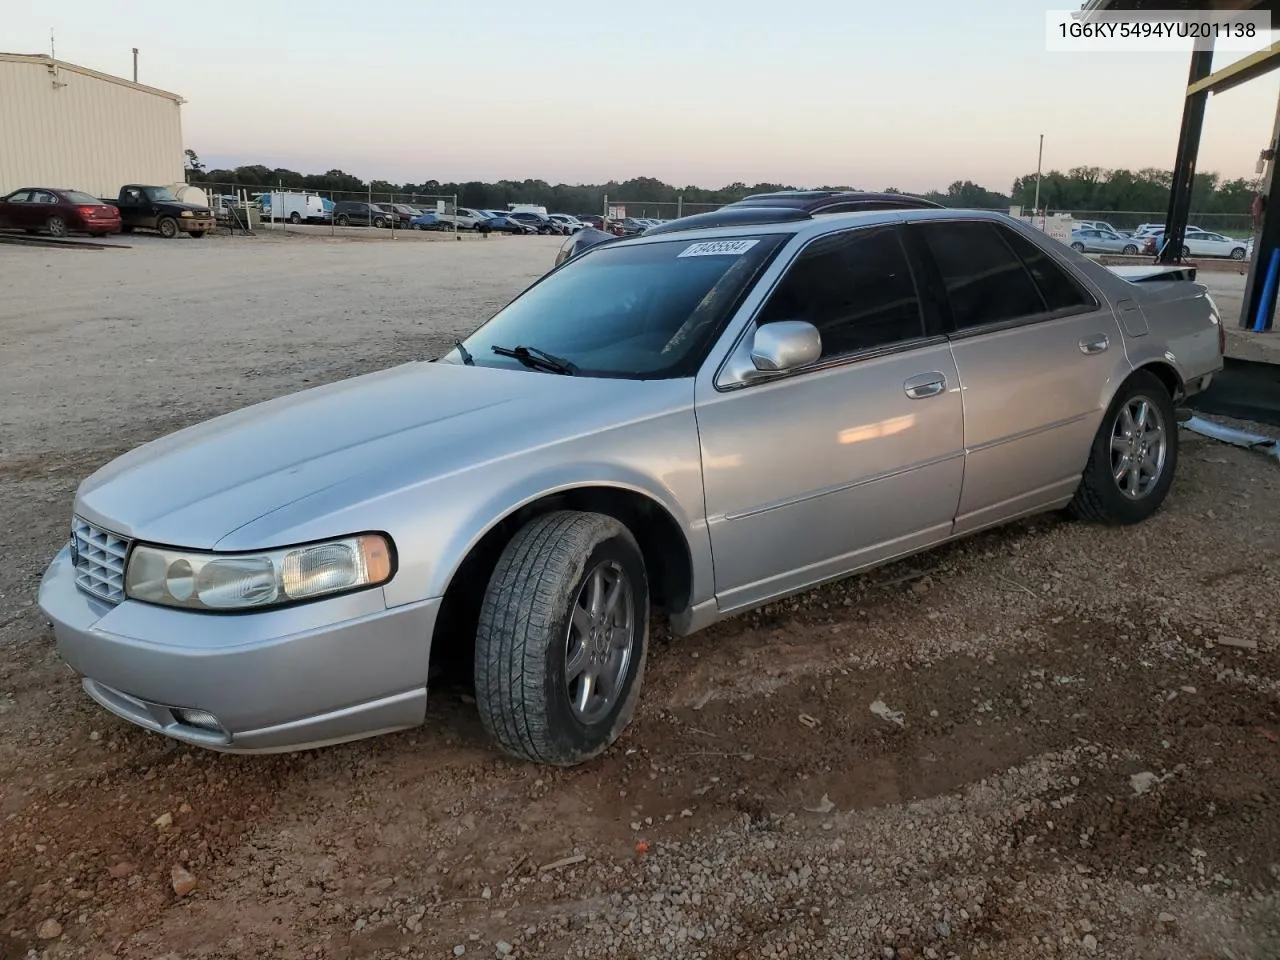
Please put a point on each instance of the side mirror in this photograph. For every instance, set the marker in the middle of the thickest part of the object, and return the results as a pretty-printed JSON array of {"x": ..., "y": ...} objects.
[{"x": 785, "y": 345}]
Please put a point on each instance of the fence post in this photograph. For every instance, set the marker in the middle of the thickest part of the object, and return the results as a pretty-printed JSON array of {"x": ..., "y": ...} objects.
[
  {"x": 456, "y": 234},
  {"x": 605, "y": 213},
  {"x": 679, "y": 205}
]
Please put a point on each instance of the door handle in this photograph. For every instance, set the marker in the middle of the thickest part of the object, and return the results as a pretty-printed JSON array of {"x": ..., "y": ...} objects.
[
  {"x": 1094, "y": 344},
  {"x": 925, "y": 385}
]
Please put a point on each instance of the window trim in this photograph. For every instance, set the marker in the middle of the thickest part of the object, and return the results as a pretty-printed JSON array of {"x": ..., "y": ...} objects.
[
  {"x": 930, "y": 265},
  {"x": 932, "y": 331}
]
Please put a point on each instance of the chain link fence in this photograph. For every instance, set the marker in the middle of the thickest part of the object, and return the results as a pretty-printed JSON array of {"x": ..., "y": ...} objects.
[{"x": 248, "y": 209}]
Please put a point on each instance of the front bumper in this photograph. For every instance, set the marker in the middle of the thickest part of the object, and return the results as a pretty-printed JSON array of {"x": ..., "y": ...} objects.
[
  {"x": 278, "y": 680},
  {"x": 193, "y": 224}
]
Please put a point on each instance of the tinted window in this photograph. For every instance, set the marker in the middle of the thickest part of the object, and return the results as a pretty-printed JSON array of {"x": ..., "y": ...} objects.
[
  {"x": 646, "y": 310},
  {"x": 21, "y": 196},
  {"x": 855, "y": 287},
  {"x": 1059, "y": 290},
  {"x": 985, "y": 282},
  {"x": 75, "y": 196}
]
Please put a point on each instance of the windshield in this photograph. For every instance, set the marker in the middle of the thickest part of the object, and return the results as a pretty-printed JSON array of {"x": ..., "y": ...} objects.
[
  {"x": 161, "y": 194},
  {"x": 75, "y": 196},
  {"x": 643, "y": 311}
]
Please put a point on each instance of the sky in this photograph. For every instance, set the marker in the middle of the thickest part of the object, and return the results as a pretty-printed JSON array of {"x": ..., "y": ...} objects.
[{"x": 913, "y": 94}]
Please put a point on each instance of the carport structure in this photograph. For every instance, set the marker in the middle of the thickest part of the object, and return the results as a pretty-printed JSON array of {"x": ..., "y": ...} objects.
[{"x": 1202, "y": 81}]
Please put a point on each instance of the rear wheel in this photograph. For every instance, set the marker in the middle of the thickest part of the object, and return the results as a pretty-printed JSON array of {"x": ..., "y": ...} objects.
[
  {"x": 1078, "y": 247},
  {"x": 168, "y": 227},
  {"x": 1237, "y": 253},
  {"x": 295, "y": 217},
  {"x": 56, "y": 226},
  {"x": 562, "y": 638},
  {"x": 379, "y": 222},
  {"x": 1186, "y": 252},
  {"x": 343, "y": 220},
  {"x": 1130, "y": 250},
  {"x": 1133, "y": 457}
]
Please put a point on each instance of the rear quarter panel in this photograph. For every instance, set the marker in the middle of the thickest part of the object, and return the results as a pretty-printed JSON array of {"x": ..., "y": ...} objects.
[{"x": 1182, "y": 325}]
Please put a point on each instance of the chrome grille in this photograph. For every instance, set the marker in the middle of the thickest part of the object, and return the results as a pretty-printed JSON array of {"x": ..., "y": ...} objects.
[{"x": 99, "y": 560}]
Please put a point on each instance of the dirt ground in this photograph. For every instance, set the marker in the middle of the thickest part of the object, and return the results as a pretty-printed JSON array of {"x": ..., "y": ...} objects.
[{"x": 1053, "y": 740}]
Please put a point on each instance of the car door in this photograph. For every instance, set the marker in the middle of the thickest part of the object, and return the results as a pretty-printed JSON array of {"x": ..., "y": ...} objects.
[
  {"x": 1038, "y": 356},
  {"x": 848, "y": 461},
  {"x": 13, "y": 209}
]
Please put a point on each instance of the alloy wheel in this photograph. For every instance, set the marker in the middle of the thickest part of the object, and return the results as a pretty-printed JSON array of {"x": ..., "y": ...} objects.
[
  {"x": 600, "y": 641},
  {"x": 1139, "y": 447}
]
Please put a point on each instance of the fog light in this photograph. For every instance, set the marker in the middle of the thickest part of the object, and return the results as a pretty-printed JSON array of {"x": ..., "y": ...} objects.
[{"x": 199, "y": 718}]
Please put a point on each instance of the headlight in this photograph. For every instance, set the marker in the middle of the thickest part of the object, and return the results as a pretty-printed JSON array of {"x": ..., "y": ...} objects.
[{"x": 243, "y": 581}]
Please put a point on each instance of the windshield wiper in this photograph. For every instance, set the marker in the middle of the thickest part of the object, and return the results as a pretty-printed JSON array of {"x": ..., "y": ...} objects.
[
  {"x": 533, "y": 357},
  {"x": 464, "y": 353}
]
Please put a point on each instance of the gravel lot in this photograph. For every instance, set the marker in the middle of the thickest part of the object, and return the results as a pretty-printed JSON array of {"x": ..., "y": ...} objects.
[{"x": 1078, "y": 753}]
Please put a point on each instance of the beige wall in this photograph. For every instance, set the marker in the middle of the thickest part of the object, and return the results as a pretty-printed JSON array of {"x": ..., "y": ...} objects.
[{"x": 91, "y": 134}]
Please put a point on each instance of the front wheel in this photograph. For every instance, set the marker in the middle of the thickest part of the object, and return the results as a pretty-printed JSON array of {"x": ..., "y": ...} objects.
[
  {"x": 168, "y": 227},
  {"x": 343, "y": 220},
  {"x": 1133, "y": 457},
  {"x": 196, "y": 234},
  {"x": 562, "y": 638},
  {"x": 1130, "y": 250}
]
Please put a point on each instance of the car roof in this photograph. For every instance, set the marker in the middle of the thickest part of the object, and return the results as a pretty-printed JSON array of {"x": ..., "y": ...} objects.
[{"x": 769, "y": 221}]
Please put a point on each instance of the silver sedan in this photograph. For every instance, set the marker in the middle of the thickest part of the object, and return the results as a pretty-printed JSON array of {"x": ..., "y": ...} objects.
[
  {"x": 1092, "y": 240},
  {"x": 702, "y": 420}
]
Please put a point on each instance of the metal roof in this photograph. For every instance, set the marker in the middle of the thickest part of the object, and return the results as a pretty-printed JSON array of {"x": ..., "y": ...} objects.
[{"x": 43, "y": 59}]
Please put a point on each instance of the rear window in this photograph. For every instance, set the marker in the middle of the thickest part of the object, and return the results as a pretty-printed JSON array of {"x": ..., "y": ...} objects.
[
  {"x": 75, "y": 196},
  {"x": 643, "y": 310}
]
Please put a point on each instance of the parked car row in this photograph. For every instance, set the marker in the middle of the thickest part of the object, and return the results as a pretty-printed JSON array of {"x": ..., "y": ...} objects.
[
  {"x": 1098, "y": 236},
  {"x": 61, "y": 212}
]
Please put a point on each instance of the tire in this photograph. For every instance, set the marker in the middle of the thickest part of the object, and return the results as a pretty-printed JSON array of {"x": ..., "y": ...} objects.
[
  {"x": 1186, "y": 252},
  {"x": 168, "y": 227},
  {"x": 1100, "y": 497},
  {"x": 1237, "y": 253},
  {"x": 196, "y": 234},
  {"x": 126, "y": 229},
  {"x": 343, "y": 220},
  {"x": 56, "y": 226},
  {"x": 1130, "y": 250},
  {"x": 527, "y": 629},
  {"x": 379, "y": 222},
  {"x": 294, "y": 218},
  {"x": 1078, "y": 247}
]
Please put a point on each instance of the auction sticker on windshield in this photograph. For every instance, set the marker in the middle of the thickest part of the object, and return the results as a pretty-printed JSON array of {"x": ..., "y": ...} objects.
[{"x": 718, "y": 248}]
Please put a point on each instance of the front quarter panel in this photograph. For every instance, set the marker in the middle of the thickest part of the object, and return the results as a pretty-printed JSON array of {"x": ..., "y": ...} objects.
[{"x": 642, "y": 437}]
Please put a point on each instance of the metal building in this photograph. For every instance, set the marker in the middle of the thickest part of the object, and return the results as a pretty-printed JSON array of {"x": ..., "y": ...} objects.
[{"x": 67, "y": 126}]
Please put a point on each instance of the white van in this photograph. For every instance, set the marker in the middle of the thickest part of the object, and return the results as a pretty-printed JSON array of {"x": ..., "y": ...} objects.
[
  {"x": 295, "y": 207},
  {"x": 526, "y": 208}
]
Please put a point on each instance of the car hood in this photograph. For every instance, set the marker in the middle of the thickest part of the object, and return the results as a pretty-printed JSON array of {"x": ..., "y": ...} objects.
[{"x": 404, "y": 424}]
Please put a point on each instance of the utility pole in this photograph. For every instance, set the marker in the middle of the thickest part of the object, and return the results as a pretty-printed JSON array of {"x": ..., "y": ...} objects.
[{"x": 1039, "y": 162}]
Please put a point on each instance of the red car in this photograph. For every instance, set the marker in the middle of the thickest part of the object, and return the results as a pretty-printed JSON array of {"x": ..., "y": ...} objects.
[{"x": 60, "y": 212}]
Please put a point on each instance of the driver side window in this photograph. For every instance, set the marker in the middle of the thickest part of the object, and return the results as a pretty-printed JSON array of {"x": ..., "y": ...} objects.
[{"x": 855, "y": 287}]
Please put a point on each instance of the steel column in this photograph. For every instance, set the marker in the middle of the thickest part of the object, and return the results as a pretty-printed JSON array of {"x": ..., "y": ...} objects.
[
  {"x": 1266, "y": 239},
  {"x": 1184, "y": 167}
]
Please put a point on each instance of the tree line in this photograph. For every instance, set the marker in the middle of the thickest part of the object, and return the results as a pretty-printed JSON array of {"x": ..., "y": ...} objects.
[{"x": 1091, "y": 189}]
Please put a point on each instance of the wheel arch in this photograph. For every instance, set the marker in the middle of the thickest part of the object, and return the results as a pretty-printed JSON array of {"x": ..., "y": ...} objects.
[{"x": 662, "y": 539}]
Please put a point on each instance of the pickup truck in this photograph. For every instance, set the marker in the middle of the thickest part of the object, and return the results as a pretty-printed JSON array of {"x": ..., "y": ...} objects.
[{"x": 145, "y": 207}]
